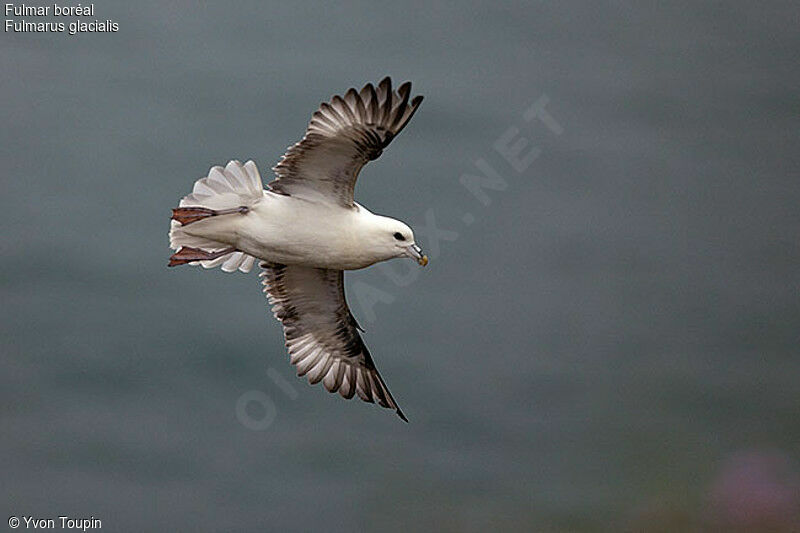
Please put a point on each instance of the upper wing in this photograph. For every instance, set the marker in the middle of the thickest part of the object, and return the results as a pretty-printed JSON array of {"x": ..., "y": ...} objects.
[
  {"x": 321, "y": 333},
  {"x": 342, "y": 137}
]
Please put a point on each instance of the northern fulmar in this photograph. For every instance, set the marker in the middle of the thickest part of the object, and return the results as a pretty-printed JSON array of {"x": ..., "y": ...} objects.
[{"x": 305, "y": 229}]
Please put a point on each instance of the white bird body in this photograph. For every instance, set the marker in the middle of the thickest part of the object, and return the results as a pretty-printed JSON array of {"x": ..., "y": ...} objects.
[
  {"x": 295, "y": 231},
  {"x": 305, "y": 229}
]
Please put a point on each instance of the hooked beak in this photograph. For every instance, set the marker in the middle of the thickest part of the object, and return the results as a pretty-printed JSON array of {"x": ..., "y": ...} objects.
[{"x": 415, "y": 253}]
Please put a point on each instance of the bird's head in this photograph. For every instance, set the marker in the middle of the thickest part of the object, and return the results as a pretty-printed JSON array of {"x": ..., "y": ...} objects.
[{"x": 392, "y": 238}]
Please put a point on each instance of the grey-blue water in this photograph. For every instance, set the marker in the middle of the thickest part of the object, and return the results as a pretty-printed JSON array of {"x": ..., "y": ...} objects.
[{"x": 605, "y": 340}]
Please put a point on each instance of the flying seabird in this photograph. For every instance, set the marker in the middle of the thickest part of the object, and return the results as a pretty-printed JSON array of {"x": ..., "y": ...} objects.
[{"x": 305, "y": 229}]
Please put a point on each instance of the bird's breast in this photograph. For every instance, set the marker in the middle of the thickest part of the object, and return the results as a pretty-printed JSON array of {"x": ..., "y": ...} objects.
[{"x": 285, "y": 230}]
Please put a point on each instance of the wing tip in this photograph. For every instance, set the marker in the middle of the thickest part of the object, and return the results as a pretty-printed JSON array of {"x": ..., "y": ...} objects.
[
  {"x": 365, "y": 102},
  {"x": 401, "y": 415}
]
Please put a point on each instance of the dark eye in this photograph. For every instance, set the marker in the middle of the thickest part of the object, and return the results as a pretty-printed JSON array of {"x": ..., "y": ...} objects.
[{"x": 399, "y": 236}]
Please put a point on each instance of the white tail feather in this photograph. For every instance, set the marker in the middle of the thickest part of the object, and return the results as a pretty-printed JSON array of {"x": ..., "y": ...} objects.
[{"x": 224, "y": 188}]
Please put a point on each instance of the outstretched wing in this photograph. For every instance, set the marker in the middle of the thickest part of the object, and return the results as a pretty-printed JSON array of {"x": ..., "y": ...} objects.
[
  {"x": 343, "y": 136},
  {"x": 321, "y": 333}
]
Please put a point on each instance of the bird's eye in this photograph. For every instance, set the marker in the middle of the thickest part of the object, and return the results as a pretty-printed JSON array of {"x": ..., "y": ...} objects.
[{"x": 399, "y": 236}]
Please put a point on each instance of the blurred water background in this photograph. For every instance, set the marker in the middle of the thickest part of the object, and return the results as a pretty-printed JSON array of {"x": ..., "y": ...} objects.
[{"x": 611, "y": 343}]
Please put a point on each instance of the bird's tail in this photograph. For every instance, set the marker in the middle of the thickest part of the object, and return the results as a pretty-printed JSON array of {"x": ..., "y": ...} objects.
[{"x": 225, "y": 191}]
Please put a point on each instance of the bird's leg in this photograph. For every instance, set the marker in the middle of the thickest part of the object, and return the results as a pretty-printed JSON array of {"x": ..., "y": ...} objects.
[
  {"x": 187, "y": 255},
  {"x": 187, "y": 215}
]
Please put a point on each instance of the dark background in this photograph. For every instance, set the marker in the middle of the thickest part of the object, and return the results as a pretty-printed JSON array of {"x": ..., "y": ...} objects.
[{"x": 611, "y": 344}]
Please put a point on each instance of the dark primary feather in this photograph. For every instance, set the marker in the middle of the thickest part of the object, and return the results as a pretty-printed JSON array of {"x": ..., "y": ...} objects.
[
  {"x": 321, "y": 333},
  {"x": 344, "y": 135}
]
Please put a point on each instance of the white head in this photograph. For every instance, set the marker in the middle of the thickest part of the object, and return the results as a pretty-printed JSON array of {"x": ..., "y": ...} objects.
[{"x": 390, "y": 238}]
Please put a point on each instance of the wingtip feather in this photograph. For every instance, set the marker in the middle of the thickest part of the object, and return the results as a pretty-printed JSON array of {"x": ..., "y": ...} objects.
[{"x": 401, "y": 415}]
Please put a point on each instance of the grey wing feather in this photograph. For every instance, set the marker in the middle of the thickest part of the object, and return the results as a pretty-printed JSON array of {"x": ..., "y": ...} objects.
[
  {"x": 344, "y": 135},
  {"x": 321, "y": 334}
]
